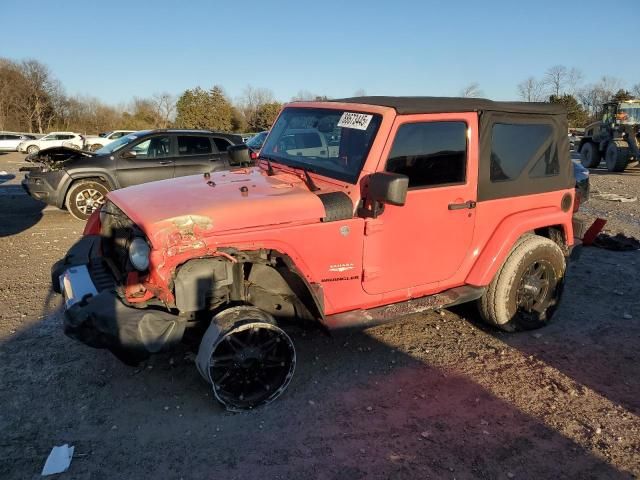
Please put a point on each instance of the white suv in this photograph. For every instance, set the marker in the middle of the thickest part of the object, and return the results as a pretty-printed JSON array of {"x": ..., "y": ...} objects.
[
  {"x": 53, "y": 139},
  {"x": 96, "y": 143}
]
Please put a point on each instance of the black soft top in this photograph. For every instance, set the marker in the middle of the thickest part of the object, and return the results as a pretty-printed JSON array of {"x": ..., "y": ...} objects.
[{"x": 415, "y": 105}]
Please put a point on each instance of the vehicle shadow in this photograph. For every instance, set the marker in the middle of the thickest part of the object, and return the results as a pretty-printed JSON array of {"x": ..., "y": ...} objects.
[
  {"x": 18, "y": 211},
  {"x": 390, "y": 402},
  {"x": 584, "y": 340},
  {"x": 5, "y": 177}
]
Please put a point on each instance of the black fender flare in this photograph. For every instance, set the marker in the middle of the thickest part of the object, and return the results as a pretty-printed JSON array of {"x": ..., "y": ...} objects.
[{"x": 106, "y": 177}]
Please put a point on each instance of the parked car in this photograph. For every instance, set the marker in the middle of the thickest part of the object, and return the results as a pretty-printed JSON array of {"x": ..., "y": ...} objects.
[
  {"x": 53, "y": 139},
  {"x": 420, "y": 203},
  {"x": 9, "y": 141},
  {"x": 93, "y": 143},
  {"x": 255, "y": 143},
  {"x": 80, "y": 180}
]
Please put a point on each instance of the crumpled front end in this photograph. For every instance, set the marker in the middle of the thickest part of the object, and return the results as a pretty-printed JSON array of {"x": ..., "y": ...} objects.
[{"x": 96, "y": 314}]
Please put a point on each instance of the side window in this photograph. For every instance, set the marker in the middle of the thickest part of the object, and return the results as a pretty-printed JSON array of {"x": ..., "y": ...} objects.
[
  {"x": 116, "y": 135},
  {"x": 155, "y": 147},
  {"x": 430, "y": 153},
  {"x": 221, "y": 144},
  {"x": 513, "y": 147},
  {"x": 191, "y": 145}
]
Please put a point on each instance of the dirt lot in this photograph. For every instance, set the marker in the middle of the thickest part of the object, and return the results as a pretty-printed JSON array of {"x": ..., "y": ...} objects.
[{"x": 434, "y": 396}]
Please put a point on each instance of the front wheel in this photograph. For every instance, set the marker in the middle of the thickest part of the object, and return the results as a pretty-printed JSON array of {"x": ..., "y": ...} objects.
[
  {"x": 94, "y": 147},
  {"x": 526, "y": 291},
  {"x": 246, "y": 358},
  {"x": 85, "y": 197},
  {"x": 590, "y": 155},
  {"x": 32, "y": 149}
]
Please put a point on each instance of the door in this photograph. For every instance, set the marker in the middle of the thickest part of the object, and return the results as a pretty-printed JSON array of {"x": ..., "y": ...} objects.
[
  {"x": 195, "y": 155},
  {"x": 424, "y": 242},
  {"x": 5, "y": 144},
  {"x": 148, "y": 160}
]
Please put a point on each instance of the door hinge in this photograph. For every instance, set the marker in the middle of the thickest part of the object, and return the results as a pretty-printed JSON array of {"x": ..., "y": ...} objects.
[{"x": 372, "y": 226}]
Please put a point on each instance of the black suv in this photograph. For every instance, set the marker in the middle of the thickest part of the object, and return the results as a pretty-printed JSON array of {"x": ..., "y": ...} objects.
[{"x": 80, "y": 180}]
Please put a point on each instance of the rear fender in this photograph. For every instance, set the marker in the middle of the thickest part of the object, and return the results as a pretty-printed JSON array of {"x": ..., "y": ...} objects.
[{"x": 507, "y": 234}]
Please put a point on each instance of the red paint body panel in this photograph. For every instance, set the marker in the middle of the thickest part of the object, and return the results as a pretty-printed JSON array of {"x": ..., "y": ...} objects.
[{"x": 407, "y": 252}]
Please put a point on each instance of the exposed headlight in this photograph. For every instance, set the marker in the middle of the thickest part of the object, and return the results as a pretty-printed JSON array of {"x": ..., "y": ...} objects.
[{"x": 139, "y": 254}]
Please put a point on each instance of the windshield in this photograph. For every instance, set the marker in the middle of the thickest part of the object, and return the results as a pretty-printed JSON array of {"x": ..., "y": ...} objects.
[
  {"x": 330, "y": 142},
  {"x": 116, "y": 145},
  {"x": 629, "y": 115},
  {"x": 256, "y": 141}
]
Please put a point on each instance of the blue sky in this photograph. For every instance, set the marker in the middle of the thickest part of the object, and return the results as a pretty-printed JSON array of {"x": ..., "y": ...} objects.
[{"x": 116, "y": 50}]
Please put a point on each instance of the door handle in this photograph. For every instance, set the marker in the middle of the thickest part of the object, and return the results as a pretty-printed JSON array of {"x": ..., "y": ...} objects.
[
  {"x": 164, "y": 162},
  {"x": 462, "y": 206}
]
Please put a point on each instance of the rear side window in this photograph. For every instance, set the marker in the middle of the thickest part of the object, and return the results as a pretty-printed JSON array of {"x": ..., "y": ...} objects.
[
  {"x": 430, "y": 153},
  {"x": 191, "y": 145},
  {"x": 514, "y": 146},
  {"x": 221, "y": 144}
]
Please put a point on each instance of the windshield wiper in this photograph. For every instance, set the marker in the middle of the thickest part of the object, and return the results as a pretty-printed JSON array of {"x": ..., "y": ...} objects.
[
  {"x": 270, "y": 171},
  {"x": 309, "y": 181}
]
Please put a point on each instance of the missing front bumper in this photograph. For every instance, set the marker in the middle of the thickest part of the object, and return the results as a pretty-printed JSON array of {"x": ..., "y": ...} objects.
[{"x": 96, "y": 316}]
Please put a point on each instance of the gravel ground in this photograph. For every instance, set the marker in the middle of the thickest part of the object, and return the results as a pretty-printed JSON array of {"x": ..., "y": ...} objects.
[{"x": 433, "y": 396}]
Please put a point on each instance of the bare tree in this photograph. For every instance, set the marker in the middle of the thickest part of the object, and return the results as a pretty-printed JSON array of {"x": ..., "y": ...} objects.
[
  {"x": 574, "y": 79},
  {"x": 39, "y": 86},
  {"x": 251, "y": 101},
  {"x": 556, "y": 79},
  {"x": 531, "y": 90},
  {"x": 471, "y": 91},
  {"x": 361, "y": 92},
  {"x": 635, "y": 90},
  {"x": 165, "y": 106},
  {"x": 594, "y": 96}
]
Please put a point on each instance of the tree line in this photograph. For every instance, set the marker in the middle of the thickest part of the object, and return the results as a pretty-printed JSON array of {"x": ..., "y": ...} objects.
[
  {"x": 33, "y": 100},
  {"x": 584, "y": 102}
]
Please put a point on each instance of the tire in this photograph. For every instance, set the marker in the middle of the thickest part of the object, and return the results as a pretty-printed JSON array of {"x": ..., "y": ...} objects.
[
  {"x": 590, "y": 155},
  {"x": 94, "y": 194},
  {"x": 526, "y": 291},
  {"x": 31, "y": 149},
  {"x": 246, "y": 358},
  {"x": 94, "y": 147},
  {"x": 617, "y": 156}
]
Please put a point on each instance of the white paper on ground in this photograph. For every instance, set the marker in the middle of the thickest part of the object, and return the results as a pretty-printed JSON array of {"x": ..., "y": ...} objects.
[{"x": 58, "y": 461}]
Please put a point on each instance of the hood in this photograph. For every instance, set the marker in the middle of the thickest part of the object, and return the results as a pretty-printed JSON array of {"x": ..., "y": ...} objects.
[
  {"x": 229, "y": 200},
  {"x": 56, "y": 155}
]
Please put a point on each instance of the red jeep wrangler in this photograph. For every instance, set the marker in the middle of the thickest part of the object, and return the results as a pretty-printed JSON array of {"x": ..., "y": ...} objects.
[{"x": 359, "y": 211}]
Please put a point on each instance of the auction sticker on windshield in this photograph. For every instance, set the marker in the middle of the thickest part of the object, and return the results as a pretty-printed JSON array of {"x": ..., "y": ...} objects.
[{"x": 359, "y": 121}]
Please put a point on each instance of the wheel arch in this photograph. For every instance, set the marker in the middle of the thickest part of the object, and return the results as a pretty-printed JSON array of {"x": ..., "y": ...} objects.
[
  {"x": 548, "y": 222},
  {"x": 73, "y": 178},
  {"x": 267, "y": 279}
]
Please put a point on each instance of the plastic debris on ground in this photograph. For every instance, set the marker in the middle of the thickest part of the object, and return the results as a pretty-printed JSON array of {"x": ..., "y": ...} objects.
[
  {"x": 58, "y": 461},
  {"x": 614, "y": 197}
]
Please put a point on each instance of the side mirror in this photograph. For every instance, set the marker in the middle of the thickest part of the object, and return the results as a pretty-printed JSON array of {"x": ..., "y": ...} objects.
[
  {"x": 388, "y": 188},
  {"x": 384, "y": 189},
  {"x": 238, "y": 155},
  {"x": 129, "y": 154}
]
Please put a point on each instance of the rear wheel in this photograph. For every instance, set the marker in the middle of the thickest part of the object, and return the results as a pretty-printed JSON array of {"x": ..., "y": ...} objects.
[
  {"x": 590, "y": 155},
  {"x": 617, "y": 156},
  {"x": 246, "y": 358},
  {"x": 85, "y": 197},
  {"x": 526, "y": 291},
  {"x": 94, "y": 147},
  {"x": 31, "y": 149}
]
